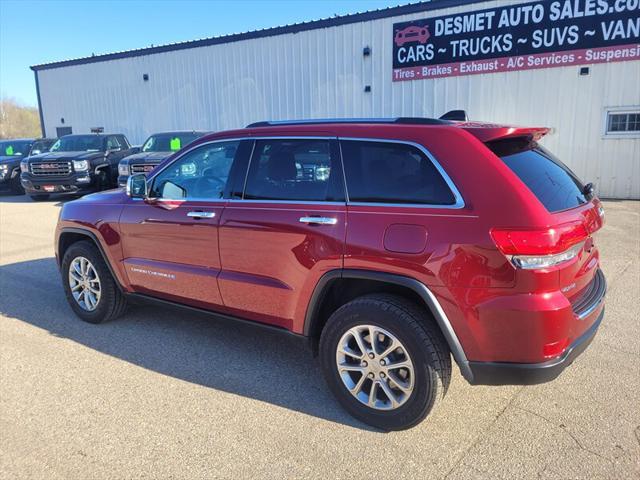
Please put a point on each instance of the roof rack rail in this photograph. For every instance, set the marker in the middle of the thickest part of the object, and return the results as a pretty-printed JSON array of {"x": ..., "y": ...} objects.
[{"x": 316, "y": 121}]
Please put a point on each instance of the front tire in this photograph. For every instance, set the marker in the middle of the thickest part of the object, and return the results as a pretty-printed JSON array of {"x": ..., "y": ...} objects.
[
  {"x": 385, "y": 360},
  {"x": 89, "y": 286},
  {"x": 16, "y": 186}
]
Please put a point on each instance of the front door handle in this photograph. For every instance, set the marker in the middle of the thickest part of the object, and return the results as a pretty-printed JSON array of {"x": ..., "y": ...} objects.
[
  {"x": 201, "y": 214},
  {"x": 319, "y": 220}
]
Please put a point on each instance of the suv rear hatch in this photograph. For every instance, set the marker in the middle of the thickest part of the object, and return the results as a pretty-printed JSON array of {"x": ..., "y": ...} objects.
[{"x": 566, "y": 244}]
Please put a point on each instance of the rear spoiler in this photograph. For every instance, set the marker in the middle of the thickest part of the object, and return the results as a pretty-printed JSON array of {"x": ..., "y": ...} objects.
[{"x": 487, "y": 132}]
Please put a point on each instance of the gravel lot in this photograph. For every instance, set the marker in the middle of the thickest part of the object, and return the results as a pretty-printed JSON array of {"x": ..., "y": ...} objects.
[{"x": 161, "y": 395}]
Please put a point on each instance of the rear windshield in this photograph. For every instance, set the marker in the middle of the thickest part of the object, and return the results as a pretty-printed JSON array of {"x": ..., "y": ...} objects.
[{"x": 548, "y": 178}]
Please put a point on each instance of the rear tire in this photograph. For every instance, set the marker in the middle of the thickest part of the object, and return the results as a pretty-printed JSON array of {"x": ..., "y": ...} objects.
[
  {"x": 102, "y": 182},
  {"x": 410, "y": 356},
  {"x": 89, "y": 286},
  {"x": 39, "y": 198}
]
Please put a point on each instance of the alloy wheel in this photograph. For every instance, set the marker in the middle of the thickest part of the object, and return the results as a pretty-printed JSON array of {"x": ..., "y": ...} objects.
[
  {"x": 84, "y": 283},
  {"x": 375, "y": 367}
]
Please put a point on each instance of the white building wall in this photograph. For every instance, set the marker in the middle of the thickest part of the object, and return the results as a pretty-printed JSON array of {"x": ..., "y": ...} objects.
[{"x": 322, "y": 73}]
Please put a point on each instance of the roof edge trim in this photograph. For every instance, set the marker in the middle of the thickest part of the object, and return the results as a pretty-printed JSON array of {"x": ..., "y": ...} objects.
[{"x": 266, "y": 32}]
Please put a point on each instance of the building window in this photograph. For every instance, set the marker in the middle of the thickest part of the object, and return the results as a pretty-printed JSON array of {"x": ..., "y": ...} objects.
[{"x": 622, "y": 122}]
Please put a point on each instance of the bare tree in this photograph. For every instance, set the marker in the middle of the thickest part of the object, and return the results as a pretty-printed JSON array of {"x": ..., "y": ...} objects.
[{"x": 17, "y": 120}]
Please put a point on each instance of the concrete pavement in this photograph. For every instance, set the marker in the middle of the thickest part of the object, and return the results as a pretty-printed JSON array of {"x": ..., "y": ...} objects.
[{"x": 162, "y": 395}]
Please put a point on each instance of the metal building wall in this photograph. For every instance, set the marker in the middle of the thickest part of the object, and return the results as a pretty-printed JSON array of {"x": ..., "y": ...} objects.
[{"x": 322, "y": 73}]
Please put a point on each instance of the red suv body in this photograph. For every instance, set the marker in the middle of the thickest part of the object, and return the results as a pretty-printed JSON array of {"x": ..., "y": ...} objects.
[{"x": 473, "y": 226}]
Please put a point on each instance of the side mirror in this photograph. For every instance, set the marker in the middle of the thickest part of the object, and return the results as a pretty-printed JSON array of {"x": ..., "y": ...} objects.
[
  {"x": 137, "y": 186},
  {"x": 134, "y": 150}
]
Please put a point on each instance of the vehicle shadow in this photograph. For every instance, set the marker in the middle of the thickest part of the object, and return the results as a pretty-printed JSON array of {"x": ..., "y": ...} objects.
[
  {"x": 58, "y": 201},
  {"x": 235, "y": 358}
]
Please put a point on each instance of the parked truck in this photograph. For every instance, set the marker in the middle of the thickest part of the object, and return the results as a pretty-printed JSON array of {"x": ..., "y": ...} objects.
[
  {"x": 12, "y": 152},
  {"x": 155, "y": 149},
  {"x": 76, "y": 164}
]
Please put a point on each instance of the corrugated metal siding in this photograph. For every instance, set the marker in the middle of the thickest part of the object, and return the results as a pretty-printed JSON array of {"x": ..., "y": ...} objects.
[{"x": 322, "y": 73}]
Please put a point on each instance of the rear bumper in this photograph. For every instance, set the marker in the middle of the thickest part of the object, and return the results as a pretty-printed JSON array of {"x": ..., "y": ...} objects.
[{"x": 498, "y": 373}]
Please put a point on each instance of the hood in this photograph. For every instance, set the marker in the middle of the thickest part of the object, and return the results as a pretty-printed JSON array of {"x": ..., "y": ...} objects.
[
  {"x": 66, "y": 156},
  {"x": 11, "y": 158},
  {"x": 147, "y": 157},
  {"x": 115, "y": 196}
]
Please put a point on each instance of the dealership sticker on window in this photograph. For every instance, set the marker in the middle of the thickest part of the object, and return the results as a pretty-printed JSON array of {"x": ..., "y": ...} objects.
[
  {"x": 175, "y": 144},
  {"x": 9, "y": 150},
  {"x": 542, "y": 34}
]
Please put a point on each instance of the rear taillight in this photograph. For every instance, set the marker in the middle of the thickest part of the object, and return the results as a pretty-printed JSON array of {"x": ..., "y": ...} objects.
[{"x": 541, "y": 248}]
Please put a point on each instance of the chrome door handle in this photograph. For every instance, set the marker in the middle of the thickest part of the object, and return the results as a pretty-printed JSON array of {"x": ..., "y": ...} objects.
[
  {"x": 319, "y": 220},
  {"x": 201, "y": 214}
]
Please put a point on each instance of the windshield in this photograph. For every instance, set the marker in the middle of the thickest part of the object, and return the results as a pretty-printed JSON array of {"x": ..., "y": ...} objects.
[
  {"x": 12, "y": 148},
  {"x": 78, "y": 143},
  {"x": 168, "y": 142},
  {"x": 41, "y": 146}
]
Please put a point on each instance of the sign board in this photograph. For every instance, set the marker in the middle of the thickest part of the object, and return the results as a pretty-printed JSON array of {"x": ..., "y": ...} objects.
[{"x": 543, "y": 34}]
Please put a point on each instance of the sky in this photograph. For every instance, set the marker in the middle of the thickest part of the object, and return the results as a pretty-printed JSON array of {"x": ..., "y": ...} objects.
[{"x": 42, "y": 31}]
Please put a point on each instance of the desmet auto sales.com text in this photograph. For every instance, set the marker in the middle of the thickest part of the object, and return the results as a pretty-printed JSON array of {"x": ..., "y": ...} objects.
[{"x": 544, "y": 37}]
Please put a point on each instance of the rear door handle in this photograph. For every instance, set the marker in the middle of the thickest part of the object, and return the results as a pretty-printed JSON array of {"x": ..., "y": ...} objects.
[
  {"x": 319, "y": 220},
  {"x": 201, "y": 214}
]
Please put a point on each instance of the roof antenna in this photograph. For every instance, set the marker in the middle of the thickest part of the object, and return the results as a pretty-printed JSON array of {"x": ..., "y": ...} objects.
[{"x": 456, "y": 115}]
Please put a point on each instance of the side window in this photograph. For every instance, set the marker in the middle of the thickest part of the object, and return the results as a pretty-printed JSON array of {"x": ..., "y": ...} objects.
[
  {"x": 124, "y": 143},
  {"x": 38, "y": 146},
  {"x": 381, "y": 172},
  {"x": 291, "y": 169},
  {"x": 112, "y": 143},
  {"x": 200, "y": 174}
]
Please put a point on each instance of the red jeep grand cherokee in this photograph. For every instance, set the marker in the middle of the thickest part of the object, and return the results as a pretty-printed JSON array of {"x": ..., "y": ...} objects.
[{"x": 389, "y": 244}]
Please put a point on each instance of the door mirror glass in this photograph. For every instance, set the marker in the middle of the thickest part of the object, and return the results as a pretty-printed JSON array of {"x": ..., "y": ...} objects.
[
  {"x": 172, "y": 191},
  {"x": 137, "y": 186}
]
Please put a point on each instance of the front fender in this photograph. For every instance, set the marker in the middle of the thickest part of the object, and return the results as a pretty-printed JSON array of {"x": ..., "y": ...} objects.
[{"x": 98, "y": 221}]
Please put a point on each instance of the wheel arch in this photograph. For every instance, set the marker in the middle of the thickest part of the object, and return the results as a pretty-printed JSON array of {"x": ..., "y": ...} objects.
[
  {"x": 101, "y": 166},
  {"x": 316, "y": 314},
  {"x": 69, "y": 235}
]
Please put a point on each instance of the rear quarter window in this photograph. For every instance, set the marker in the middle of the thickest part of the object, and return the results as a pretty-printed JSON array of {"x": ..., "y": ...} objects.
[
  {"x": 387, "y": 172},
  {"x": 550, "y": 180}
]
